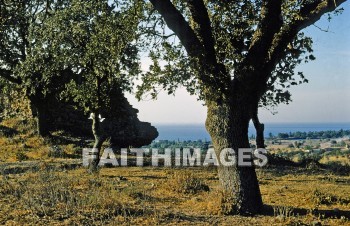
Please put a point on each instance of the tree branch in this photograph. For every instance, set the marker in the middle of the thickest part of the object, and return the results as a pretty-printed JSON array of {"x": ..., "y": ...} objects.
[
  {"x": 177, "y": 23},
  {"x": 211, "y": 74},
  {"x": 309, "y": 14},
  {"x": 259, "y": 127},
  {"x": 271, "y": 23},
  {"x": 251, "y": 75},
  {"x": 201, "y": 18}
]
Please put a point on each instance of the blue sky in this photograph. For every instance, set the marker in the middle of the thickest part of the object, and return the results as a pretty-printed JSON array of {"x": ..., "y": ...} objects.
[{"x": 326, "y": 98}]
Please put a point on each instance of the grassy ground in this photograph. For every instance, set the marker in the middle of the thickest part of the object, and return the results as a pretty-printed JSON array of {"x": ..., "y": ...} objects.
[
  {"x": 19, "y": 142},
  {"x": 167, "y": 196},
  {"x": 41, "y": 182}
]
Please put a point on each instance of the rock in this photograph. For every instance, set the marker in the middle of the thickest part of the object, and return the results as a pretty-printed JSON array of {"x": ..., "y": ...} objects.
[{"x": 121, "y": 123}]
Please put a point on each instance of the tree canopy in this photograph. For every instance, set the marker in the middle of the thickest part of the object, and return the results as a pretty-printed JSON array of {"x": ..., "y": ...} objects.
[
  {"x": 231, "y": 37},
  {"x": 23, "y": 60},
  {"x": 95, "y": 40},
  {"x": 78, "y": 50},
  {"x": 236, "y": 56}
]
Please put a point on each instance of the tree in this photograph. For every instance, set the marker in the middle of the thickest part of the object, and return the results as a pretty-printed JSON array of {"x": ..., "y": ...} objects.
[
  {"x": 94, "y": 39},
  {"x": 236, "y": 56},
  {"x": 271, "y": 136},
  {"x": 23, "y": 60}
]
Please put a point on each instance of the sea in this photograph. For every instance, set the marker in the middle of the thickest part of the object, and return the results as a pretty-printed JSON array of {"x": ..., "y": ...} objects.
[{"x": 193, "y": 132}]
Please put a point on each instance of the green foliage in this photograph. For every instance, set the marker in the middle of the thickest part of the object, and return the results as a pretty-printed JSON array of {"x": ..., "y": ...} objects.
[
  {"x": 234, "y": 27},
  {"x": 161, "y": 144},
  {"x": 284, "y": 75},
  {"x": 78, "y": 50},
  {"x": 22, "y": 56},
  {"x": 315, "y": 134},
  {"x": 93, "y": 39},
  {"x": 308, "y": 147}
]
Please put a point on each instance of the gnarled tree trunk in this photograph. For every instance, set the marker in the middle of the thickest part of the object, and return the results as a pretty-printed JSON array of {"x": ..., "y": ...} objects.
[
  {"x": 227, "y": 124},
  {"x": 99, "y": 139}
]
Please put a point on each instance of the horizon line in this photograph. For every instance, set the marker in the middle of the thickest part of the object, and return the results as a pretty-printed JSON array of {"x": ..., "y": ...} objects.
[{"x": 203, "y": 123}]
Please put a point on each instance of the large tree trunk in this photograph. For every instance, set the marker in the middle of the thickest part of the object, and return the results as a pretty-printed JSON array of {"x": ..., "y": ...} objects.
[
  {"x": 42, "y": 122},
  {"x": 40, "y": 110},
  {"x": 228, "y": 124},
  {"x": 99, "y": 139}
]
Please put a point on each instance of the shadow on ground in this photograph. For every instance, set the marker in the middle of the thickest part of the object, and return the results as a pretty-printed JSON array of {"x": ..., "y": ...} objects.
[{"x": 270, "y": 210}]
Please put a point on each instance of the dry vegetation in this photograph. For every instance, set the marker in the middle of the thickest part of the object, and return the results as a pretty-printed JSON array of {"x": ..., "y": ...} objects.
[
  {"x": 167, "y": 196},
  {"x": 49, "y": 187},
  {"x": 19, "y": 142}
]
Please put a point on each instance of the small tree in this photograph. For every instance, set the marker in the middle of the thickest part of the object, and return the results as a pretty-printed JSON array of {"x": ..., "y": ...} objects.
[{"x": 95, "y": 39}]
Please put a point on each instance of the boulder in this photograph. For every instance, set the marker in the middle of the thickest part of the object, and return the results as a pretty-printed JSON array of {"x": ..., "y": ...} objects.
[{"x": 121, "y": 123}]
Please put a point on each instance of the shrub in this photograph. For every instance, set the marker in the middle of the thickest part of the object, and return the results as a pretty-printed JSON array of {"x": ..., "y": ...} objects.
[{"x": 183, "y": 182}]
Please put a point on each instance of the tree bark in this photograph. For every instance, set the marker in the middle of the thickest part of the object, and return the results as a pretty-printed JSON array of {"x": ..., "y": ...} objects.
[
  {"x": 227, "y": 124},
  {"x": 42, "y": 121},
  {"x": 99, "y": 139},
  {"x": 40, "y": 111}
]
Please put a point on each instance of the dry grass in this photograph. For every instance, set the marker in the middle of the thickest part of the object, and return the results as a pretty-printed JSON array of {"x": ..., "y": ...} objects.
[
  {"x": 186, "y": 182},
  {"x": 339, "y": 159},
  {"x": 18, "y": 143},
  {"x": 42, "y": 194},
  {"x": 151, "y": 196}
]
